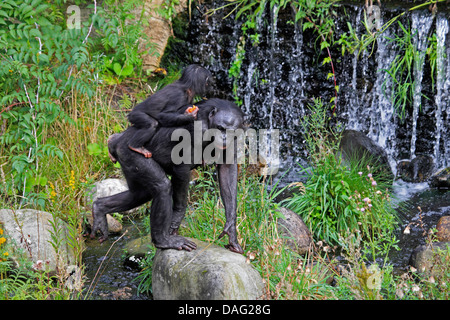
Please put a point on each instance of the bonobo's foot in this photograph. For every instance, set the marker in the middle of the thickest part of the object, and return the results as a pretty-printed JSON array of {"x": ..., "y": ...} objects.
[
  {"x": 176, "y": 242},
  {"x": 173, "y": 231},
  {"x": 233, "y": 245},
  {"x": 100, "y": 224},
  {"x": 114, "y": 160},
  {"x": 110, "y": 140},
  {"x": 142, "y": 151}
]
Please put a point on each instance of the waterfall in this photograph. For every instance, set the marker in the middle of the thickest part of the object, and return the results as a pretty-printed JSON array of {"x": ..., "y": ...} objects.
[
  {"x": 442, "y": 90},
  {"x": 446, "y": 127},
  {"x": 382, "y": 121},
  {"x": 284, "y": 70},
  {"x": 421, "y": 24},
  {"x": 354, "y": 121},
  {"x": 274, "y": 75}
]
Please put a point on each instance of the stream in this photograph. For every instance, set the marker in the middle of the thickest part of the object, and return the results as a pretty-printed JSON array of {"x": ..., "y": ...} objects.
[{"x": 108, "y": 276}]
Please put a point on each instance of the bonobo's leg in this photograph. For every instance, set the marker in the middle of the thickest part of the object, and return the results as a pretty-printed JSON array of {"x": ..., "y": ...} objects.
[
  {"x": 146, "y": 126},
  {"x": 116, "y": 203},
  {"x": 148, "y": 175},
  {"x": 161, "y": 216},
  {"x": 228, "y": 174},
  {"x": 180, "y": 183}
]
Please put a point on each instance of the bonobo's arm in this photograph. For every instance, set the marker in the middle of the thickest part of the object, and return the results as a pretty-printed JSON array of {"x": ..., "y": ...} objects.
[
  {"x": 228, "y": 174},
  {"x": 174, "y": 119}
]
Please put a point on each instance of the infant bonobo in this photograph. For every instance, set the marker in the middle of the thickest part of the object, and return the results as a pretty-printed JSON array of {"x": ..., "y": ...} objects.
[{"x": 161, "y": 107}]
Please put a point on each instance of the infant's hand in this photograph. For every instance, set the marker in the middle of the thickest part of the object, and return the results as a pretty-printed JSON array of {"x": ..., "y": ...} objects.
[{"x": 192, "y": 111}]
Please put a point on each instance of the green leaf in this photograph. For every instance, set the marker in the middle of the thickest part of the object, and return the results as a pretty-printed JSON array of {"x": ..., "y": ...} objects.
[
  {"x": 117, "y": 68},
  {"x": 326, "y": 60},
  {"x": 127, "y": 70}
]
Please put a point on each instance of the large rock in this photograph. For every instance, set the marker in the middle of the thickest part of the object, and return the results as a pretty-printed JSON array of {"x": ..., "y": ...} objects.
[
  {"x": 441, "y": 179},
  {"x": 208, "y": 273},
  {"x": 419, "y": 169},
  {"x": 32, "y": 232},
  {"x": 443, "y": 229},
  {"x": 294, "y": 231},
  {"x": 356, "y": 145},
  {"x": 422, "y": 257}
]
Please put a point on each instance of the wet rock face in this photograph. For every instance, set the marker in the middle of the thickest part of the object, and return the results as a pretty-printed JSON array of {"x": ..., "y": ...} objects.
[
  {"x": 281, "y": 73},
  {"x": 356, "y": 145},
  {"x": 419, "y": 169},
  {"x": 207, "y": 273}
]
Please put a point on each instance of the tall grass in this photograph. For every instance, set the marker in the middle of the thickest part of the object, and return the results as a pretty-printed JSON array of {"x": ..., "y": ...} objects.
[
  {"x": 63, "y": 194},
  {"x": 286, "y": 274}
]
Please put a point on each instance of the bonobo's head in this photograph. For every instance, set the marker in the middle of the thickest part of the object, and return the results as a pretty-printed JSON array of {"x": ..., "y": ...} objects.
[
  {"x": 197, "y": 79},
  {"x": 223, "y": 117}
]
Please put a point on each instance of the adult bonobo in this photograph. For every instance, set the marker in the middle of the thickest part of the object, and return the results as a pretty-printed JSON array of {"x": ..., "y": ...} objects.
[{"x": 147, "y": 178}]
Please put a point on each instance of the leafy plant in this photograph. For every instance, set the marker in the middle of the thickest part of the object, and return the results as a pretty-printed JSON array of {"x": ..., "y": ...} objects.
[
  {"x": 401, "y": 71},
  {"x": 122, "y": 43},
  {"x": 340, "y": 198},
  {"x": 39, "y": 64}
]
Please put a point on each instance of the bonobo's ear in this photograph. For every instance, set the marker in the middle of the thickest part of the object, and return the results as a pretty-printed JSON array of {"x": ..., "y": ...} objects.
[{"x": 212, "y": 113}]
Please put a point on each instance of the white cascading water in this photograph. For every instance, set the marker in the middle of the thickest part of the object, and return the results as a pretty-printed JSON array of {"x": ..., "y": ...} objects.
[
  {"x": 442, "y": 90},
  {"x": 382, "y": 121}
]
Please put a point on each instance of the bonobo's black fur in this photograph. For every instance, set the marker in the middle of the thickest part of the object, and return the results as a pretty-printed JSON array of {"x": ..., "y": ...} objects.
[
  {"x": 147, "y": 179},
  {"x": 162, "y": 106}
]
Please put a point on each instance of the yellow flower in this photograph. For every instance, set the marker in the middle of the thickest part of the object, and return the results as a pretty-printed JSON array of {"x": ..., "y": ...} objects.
[
  {"x": 1, "y": 232},
  {"x": 6, "y": 254},
  {"x": 72, "y": 180},
  {"x": 2, "y": 240}
]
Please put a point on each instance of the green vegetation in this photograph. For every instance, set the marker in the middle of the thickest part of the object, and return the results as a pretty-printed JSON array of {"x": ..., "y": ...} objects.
[
  {"x": 56, "y": 115},
  {"x": 341, "y": 198},
  {"x": 401, "y": 70}
]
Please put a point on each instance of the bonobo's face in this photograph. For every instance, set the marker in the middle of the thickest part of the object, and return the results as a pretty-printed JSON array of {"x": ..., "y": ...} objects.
[{"x": 226, "y": 121}]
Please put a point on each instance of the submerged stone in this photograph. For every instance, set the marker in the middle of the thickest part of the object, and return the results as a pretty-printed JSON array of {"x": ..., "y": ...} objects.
[
  {"x": 441, "y": 179},
  {"x": 419, "y": 169}
]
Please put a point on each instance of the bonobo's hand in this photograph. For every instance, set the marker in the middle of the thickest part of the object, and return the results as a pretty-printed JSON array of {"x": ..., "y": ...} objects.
[{"x": 192, "y": 111}]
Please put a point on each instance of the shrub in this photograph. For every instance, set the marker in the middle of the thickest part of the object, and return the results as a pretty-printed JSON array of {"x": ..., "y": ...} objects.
[{"x": 340, "y": 198}]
